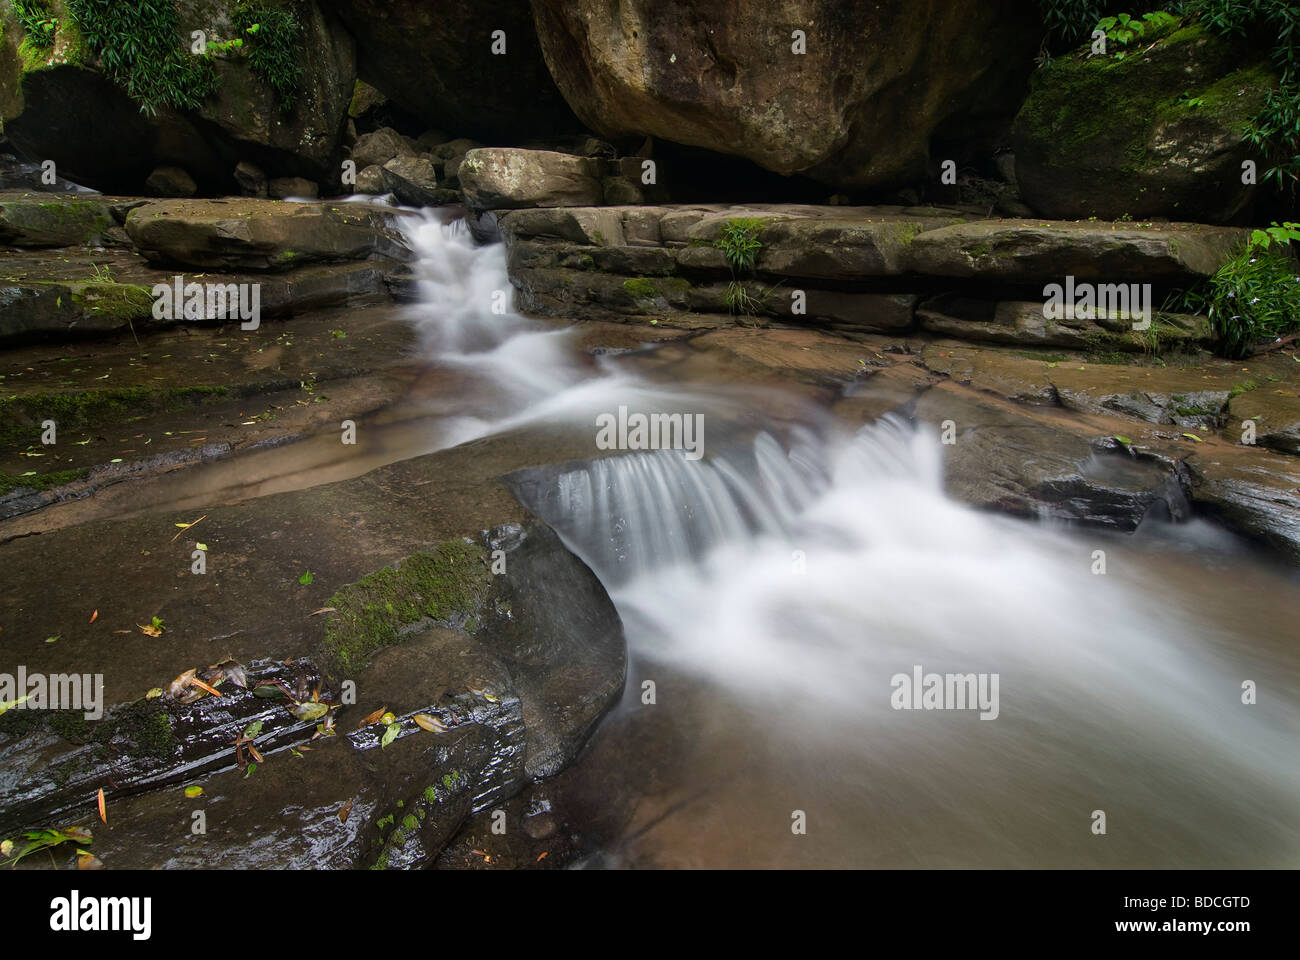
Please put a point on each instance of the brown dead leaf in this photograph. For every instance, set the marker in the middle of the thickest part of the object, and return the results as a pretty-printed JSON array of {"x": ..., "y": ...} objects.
[
  {"x": 149, "y": 630},
  {"x": 88, "y": 861},
  {"x": 316, "y": 613},
  {"x": 344, "y": 811},
  {"x": 94, "y": 616},
  {"x": 103, "y": 812},
  {"x": 178, "y": 686},
  {"x": 256, "y": 756},
  {"x": 370, "y": 718},
  {"x": 541, "y": 855}
]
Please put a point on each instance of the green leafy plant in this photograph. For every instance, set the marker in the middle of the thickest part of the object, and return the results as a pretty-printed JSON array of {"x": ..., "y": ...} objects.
[
  {"x": 37, "y": 23},
  {"x": 45, "y": 840},
  {"x": 738, "y": 240},
  {"x": 274, "y": 48},
  {"x": 1125, "y": 30},
  {"x": 739, "y": 243},
  {"x": 1277, "y": 233},
  {"x": 139, "y": 48},
  {"x": 1254, "y": 296}
]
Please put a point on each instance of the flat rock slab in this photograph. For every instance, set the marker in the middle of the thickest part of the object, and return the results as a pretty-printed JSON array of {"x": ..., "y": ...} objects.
[
  {"x": 1028, "y": 251},
  {"x": 256, "y": 234}
]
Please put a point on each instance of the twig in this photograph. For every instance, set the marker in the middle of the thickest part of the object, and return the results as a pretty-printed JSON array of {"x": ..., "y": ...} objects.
[{"x": 188, "y": 526}]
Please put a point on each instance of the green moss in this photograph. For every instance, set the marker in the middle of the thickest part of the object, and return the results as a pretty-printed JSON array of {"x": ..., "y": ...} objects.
[
  {"x": 42, "y": 481},
  {"x": 71, "y": 725},
  {"x": 387, "y": 821},
  {"x": 410, "y": 823},
  {"x": 121, "y": 301},
  {"x": 430, "y": 794},
  {"x": 642, "y": 288},
  {"x": 448, "y": 584},
  {"x": 20, "y": 415}
]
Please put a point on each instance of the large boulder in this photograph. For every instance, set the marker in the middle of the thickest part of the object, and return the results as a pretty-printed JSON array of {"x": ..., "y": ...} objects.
[
  {"x": 1152, "y": 134},
  {"x": 435, "y": 60},
  {"x": 57, "y": 104},
  {"x": 877, "y": 86}
]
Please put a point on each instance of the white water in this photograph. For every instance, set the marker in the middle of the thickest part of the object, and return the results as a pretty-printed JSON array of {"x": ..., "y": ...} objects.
[{"x": 788, "y": 576}]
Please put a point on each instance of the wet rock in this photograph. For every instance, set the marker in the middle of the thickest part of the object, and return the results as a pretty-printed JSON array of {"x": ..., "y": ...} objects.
[
  {"x": 1171, "y": 142},
  {"x": 1275, "y": 414},
  {"x": 37, "y": 310},
  {"x": 1009, "y": 460},
  {"x": 259, "y": 234},
  {"x": 495, "y": 178},
  {"x": 170, "y": 181},
  {"x": 729, "y": 77},
  {"x": 1251, "y": 491}
]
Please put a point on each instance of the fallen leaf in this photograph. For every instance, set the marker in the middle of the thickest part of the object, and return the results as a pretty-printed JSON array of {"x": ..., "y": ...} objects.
[
  {"x": 249, "y": 772},
  {"x": 88, "y": 861},
  {"x": 344, "y": 811},
  {"x": 541, "y": 855},
  {"x": 306, "y": 578},
  {"x": 256, "y": 756},
  {"x": 94, "y": 616},
  {"x": 311, "y": 710},
  {"x": 253, "y": 730},
  {"x": 430, "y": 723},
  {"x": 200, "y": 546},
  {"x": 192, "y": 792},
  {"x": 316, "y": 613},
  {"x": 150, "y": 630},
  {"x": 372, "y": 717},
  {"x": 1192, "y": 436},
  {"x": 203, "y": 686},
  {"x": 390, "y": 734},
  {"x": 154, "y": 693},
  {"x": 103, "y": 812},
  {"x": 6, "y": 848},
  {"x": 181, "y": 683}
]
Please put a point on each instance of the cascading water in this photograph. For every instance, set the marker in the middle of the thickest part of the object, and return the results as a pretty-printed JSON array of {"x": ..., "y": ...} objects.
[{"x": 780, "y": 584}]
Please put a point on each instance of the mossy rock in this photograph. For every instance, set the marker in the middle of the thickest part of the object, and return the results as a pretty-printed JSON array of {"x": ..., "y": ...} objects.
[
  {"x": 53, "y": 223},
  {"x": 1157, "y": 133},
  {"x": 449, "y": 584},
  {"x": 21, "y": 416}
]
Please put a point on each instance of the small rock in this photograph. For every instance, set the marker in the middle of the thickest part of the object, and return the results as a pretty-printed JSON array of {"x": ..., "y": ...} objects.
[
  {"x": 412, "y": 179},
  {"x": 169, "y": 181},
  {"x": 426, "y": 141},
  {"x": 371, "y": 180},
  {"x": 251, "y": 179},
  {"x": 377, "y": 148},
  {"x": 453, "y": 148},
  {"x": 498, "y": 178},
  {"x": 282, "y": 187}
]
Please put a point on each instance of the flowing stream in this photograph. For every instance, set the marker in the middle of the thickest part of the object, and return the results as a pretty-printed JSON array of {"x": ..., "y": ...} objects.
[{"x": 775, "y": 589}]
